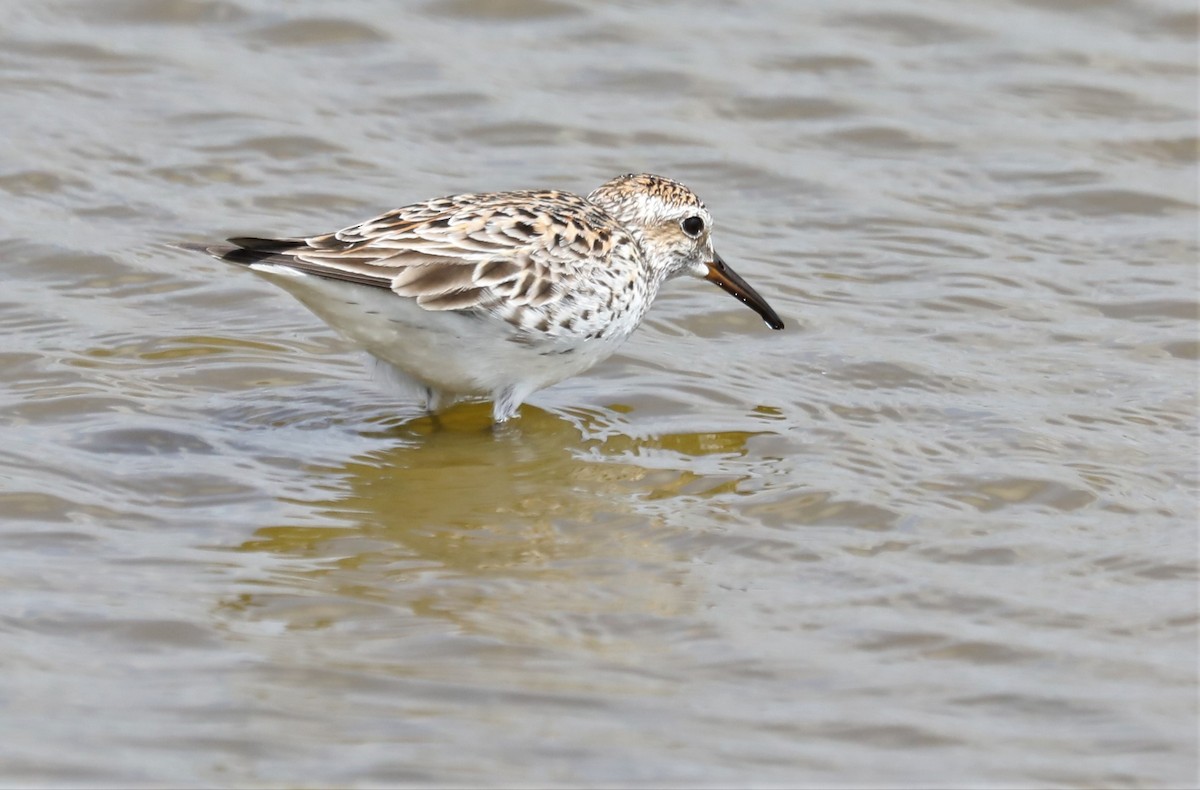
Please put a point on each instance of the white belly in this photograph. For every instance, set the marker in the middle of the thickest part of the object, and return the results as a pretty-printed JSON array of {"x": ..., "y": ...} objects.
[{"x": 451, "y": 352}]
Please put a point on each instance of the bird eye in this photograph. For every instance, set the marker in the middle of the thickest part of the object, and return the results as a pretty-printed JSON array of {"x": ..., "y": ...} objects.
[{"x": 692, "y": 226}]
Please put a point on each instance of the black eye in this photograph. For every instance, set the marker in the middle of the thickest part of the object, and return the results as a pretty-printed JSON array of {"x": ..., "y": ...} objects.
[{"x": 692, "y": 226}]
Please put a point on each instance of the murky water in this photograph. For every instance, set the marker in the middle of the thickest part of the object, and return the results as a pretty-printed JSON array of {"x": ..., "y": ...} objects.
[{"x": 940, "y": 531}]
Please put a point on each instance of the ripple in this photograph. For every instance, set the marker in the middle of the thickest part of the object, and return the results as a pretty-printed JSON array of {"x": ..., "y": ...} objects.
[
  {"x": 142, "y": 441},
  {"x": 282, "y": 146},
  {"x": 910, "y": 29},
  {"x": 159, "y": 12},
  {"x": 1107, "y": 203},
  {"x": 818, "y": 64},
  {"x": 26, "y": 183},
  {"x": 320, "y": 32},
  {"x": 787, "y": 108},
  {"x": 1149, "y": 310},
  {"x": 1091, "y": 101},
  {"x": 502, "y": 10},
  {"x": 516, "y": 133},
  {"x": 1166, "y": 150},
  {"x": 822, "y": 508},
  {"x": 884, "y": 139},
  {"x": 91, "y": 56}
]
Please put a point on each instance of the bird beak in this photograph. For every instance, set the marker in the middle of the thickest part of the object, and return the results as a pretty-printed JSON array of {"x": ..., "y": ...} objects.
[{"x": 731, "y": 283}]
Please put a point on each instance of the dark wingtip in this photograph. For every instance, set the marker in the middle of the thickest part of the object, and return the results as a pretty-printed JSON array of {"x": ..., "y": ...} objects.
[
  {"x": 264, "y": 245},
  {"x": 245, "y": 250}
]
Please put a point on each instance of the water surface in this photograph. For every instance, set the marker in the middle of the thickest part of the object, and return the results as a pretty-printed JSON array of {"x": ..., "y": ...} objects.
[{"x": 940, "y": 531}]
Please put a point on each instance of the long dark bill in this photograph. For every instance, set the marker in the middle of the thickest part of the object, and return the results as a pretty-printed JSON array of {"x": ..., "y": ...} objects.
[{"x": 729, "y": 281}]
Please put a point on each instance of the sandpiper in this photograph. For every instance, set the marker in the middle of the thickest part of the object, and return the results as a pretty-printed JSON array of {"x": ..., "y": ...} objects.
[{"x": 499, "y": 294}]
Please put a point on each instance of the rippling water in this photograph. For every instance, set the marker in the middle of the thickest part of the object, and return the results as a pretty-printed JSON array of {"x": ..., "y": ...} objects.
[{"x": 941, "y": 531}]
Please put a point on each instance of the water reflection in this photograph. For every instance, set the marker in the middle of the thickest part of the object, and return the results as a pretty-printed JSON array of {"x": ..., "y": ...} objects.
[{"x": 549, "y": 528}]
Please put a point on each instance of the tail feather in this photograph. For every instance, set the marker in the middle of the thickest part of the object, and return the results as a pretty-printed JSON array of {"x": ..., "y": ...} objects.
[
  {"x": 265, "y": 245},
  {"x": 248, "y": 250}
]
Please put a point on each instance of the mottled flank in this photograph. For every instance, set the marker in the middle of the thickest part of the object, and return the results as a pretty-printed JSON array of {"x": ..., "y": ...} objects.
[{"x": 559, "y": 280}]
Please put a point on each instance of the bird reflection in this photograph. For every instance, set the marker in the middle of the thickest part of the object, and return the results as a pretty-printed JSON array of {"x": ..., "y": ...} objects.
[{"x": 464, "y": 523}]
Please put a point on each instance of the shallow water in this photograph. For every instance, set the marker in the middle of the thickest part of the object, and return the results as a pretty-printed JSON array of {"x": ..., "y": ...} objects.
[{"x": 940, "y": 531}]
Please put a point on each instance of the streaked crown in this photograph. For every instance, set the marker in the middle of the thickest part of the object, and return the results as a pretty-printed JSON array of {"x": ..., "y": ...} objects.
[{"x": 669, "y": 221}]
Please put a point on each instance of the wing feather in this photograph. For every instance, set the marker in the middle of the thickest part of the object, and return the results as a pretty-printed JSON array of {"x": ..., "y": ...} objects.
[{"x": 499, "y": 253}]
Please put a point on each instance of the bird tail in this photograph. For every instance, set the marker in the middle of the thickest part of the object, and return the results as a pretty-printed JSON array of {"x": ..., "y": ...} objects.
[{"x": 247, "y": 250}]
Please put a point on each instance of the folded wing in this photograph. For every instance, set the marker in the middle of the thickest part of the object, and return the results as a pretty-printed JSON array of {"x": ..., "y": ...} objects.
[{"x": 468, "y": 252}]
